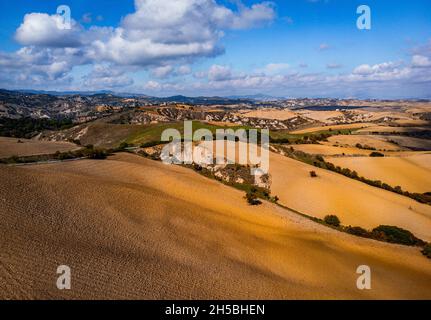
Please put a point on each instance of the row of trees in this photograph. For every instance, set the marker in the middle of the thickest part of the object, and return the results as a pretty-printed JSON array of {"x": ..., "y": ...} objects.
[
  {"x": 88, "y": 152},
  {"x": 306, "y": 139},
  {"x": 383, "y": 233}
]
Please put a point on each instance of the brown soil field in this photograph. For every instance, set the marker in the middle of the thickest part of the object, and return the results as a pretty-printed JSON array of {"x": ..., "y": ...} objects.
[
  {"x": 271, "y": 114},
  {"x": 374, "y": 141},
  {"x": 331, "y": 151},
  {"x": 133, "y": 228},
  {"x": 326, "y": 150},
  {"x": 386, "y": 129},
  {"x": 383, "y": 115},
  {"x": 412, "y": 173},
  {"x": 333, "y": 127},
  {"x": 413, "y": 122},
  {"x": 320, "y": 115},
  {"x": 410, "y": 142},
  {"x": 10, "y": 147}
]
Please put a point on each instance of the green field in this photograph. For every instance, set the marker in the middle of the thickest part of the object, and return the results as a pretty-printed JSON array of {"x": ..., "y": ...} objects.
[
  {"x": 152, "y": 133},
  {"x": 108, "y": 135},
  {"x": 282, "y": 136}
]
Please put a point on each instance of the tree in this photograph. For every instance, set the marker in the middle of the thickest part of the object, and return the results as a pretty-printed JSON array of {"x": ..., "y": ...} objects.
[
  {"x": 396, "y": 235},
  {"x": 376, "y": 154},
  {"x": 252, "y": 198},
  {"x": 427, "y": 250},
  {"x": 332, "y": 220},
  {"x": 358, "y": 231}
]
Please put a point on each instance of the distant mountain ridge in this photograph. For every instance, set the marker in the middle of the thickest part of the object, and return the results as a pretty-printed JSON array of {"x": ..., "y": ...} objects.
[
  {"x": 175, "y": 99},
  {"x": 258, "y": 97}
]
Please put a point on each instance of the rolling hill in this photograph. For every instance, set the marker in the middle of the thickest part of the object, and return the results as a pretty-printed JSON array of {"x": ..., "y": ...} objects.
[{"x": 134, "y": 228}]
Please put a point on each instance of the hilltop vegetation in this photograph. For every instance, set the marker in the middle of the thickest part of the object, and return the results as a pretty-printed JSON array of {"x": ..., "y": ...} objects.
[
  {"x": 29, "y": 127},
  {"x": 88, "y": 152}
]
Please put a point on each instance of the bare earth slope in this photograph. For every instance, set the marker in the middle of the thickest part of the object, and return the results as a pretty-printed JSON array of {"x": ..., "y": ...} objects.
[
  {"x": 10, "y": 147},
  {"x": 133, "y": 228}
]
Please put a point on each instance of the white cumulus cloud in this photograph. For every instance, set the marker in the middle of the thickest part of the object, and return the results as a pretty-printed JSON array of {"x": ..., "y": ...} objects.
[{"x": 419, "y": 61}]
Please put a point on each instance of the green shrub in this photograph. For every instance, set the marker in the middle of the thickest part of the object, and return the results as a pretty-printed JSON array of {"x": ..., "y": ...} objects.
[
  {"x": 427, "y": 250},
  {"x": 396, "y": 235},
  {"x": 252, "y": 198},
  {"x": 332, "y": 220},
  {"x": 123, "y": 146},
  {"x": 376, "y": 154},
  {"x": 65, "y": 156},
  {"x": 151, "y": 144},
  {"x": 96, "y": 154},
  {"x": 358, "y": 231}
]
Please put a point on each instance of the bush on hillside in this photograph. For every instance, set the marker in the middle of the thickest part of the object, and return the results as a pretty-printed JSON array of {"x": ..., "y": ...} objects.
[
  {"x": 358, "y": 231},
  {"x": 332, "y": 220},
  {"x": 97, "y": 154},
  {"x": 252, "y": 198},
  {"x": 427, "y": 250},
  {"x": 396, "y": 235},
  {"x": 313, "y": 174},
  {"x": 376, "y": 154}
]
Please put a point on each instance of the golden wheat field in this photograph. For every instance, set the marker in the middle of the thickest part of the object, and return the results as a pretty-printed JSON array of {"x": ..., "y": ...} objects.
[
  {"x": 354, "y": 202},
  {"x": 167, "y": 232},
  {"x": 332, "y": 193},
  {"x": 412, "y": 172}
]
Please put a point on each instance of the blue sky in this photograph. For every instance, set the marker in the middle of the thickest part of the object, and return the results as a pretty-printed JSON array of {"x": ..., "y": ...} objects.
[{"x": 292, "y": 48}]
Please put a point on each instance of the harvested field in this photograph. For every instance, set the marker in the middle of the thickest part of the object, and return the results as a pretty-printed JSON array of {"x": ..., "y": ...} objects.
[
  {"x": 412, "y": 173},
  {"x": 412, "y": 122},
  {"x": 327, "y": 150},
  {"x": 333, "y": 127},
  {"x": 271, "y": 114},
  {"x": 11, "y": 147},
  {"x": 410, "y": 143},
  {"x": 373, "y": 141},
  {"x": 354, "y": 202},
  {"x": 388, "y": 129},
  {"x": 133, "y": 228},
  {"x": 320, "y": 115}
]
